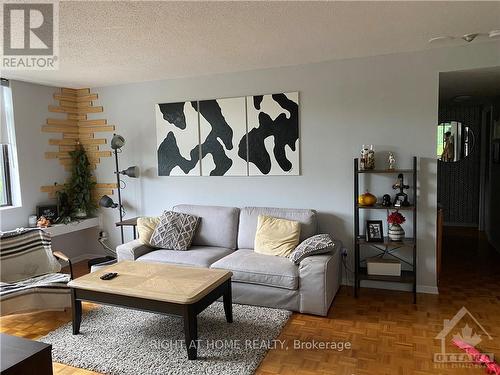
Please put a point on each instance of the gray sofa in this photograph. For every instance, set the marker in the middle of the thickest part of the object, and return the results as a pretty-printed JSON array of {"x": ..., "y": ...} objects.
[{"x": 225, "y": 239}]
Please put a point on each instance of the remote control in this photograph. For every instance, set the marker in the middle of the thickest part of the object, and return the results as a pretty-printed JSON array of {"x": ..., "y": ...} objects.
[{"x": 109, "y": 276}]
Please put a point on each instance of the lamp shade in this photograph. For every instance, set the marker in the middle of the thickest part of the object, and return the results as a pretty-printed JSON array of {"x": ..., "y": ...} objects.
[
  {"x": 107, "y": 202},
  {"x": 117, "y": 142},
  {"x": 132, "y": 172}
]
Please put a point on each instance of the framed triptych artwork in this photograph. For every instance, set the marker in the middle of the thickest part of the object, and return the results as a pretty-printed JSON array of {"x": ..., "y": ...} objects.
[{"x": 243, "y": 136}]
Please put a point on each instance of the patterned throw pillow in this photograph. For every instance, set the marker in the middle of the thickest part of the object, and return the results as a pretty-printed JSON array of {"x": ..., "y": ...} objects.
[
  {"x": 318, "y": 244},
  {"x": 175, "y": 231}
]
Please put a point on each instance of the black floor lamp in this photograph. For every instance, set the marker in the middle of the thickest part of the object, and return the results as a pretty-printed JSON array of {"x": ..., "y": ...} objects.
[{"x": 117, "y": 142}]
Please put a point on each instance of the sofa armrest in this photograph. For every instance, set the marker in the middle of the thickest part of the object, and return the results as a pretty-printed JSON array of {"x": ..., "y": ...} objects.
[
  {"x": 319, "y": 281},
  {"x": 132, "y": 250}
]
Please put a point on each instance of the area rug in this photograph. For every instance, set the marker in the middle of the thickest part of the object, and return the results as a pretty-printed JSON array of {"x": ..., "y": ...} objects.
[{"x": 120, "y": 341}]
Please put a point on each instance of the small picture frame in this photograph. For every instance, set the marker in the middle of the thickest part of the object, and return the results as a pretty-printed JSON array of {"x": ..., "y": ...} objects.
[
  {"x": 397, "y": 202},
  {"x": 374, "y": 231},
  {"x": 49, "y": 211}
]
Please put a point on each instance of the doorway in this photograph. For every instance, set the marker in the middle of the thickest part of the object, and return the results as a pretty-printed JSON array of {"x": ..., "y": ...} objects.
[{"x": 468, "y": 172}]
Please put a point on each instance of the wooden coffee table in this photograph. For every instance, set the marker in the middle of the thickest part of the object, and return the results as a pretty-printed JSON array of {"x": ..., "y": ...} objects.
[{"x": 156, "y": 287}]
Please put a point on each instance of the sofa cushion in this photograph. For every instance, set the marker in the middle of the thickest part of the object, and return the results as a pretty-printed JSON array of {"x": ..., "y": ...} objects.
[
  {"x": 218, "y": 225},
  {"x": 201, "y": 256},
  {"x": 249, "y": 216},
  {"x": 277, "y": 237},
  {"x": 250, "y": 267}
]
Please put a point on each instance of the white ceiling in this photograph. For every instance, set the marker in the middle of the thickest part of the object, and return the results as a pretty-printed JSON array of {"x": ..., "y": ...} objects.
[
  {"x": 106, "y": 43},
  {"x": 478, "y": 83}
]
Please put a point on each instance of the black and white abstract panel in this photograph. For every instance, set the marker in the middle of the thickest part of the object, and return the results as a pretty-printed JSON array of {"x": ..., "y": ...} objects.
[
  {"x": 254, "y": 135},
  {"x": 273, "y": 134},
  {"x": 222, "y": 126},
  {"x": 177, "y": 138}
]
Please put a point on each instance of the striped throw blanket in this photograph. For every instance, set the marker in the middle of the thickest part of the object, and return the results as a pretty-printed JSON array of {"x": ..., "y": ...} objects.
[
  {"x": 25, "y": 254},
  {"x": 51, "y": 280}
]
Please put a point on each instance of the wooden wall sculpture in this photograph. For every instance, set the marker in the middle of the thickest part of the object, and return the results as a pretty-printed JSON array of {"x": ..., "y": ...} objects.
[{"x": 76, "y": 129}]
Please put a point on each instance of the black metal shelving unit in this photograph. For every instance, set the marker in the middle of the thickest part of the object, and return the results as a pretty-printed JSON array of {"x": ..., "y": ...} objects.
[{"x": 387, "y": 247}]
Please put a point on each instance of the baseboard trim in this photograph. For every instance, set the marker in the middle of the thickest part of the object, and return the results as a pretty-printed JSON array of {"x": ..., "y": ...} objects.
[
  {"x": 464, "y": 225},
  {"x": 426, "y": 289}
]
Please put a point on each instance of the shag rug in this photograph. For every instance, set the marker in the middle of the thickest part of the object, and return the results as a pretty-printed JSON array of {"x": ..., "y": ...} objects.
[{"x": 116, "y": 341}]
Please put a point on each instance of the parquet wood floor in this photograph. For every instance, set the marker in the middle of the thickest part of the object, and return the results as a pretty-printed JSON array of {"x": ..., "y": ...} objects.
[{"x": 388, "y": 334}]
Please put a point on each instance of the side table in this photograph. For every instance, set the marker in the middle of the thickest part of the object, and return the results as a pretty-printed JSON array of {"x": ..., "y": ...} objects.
[{"x": 129, "y": 223}]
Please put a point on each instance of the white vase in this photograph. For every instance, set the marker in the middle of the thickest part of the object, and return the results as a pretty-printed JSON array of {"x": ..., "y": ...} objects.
[{"x": 396, "y": 232}]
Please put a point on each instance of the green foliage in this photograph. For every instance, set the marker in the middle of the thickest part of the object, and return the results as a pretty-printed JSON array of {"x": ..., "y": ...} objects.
[{"x": 77, "y": 193}]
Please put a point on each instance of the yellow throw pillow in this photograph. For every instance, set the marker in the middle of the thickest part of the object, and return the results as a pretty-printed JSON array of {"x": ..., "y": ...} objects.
[
  {"x": 146, "y": 226},
  {"x": 276, "y": 236}
]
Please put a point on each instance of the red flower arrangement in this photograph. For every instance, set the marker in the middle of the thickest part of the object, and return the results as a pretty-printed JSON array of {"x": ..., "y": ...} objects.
[{"x": 396, "y": 218}]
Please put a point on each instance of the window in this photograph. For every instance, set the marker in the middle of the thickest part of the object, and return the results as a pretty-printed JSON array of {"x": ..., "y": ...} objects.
[
  {"x": 5, "y": 187},
  {"x": 9, "y": 179}
]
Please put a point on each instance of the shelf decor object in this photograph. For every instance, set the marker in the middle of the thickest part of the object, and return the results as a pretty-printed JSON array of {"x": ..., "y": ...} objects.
[
  {"x": 391, "y": 160},
  {"x": 388, "y": 248},
  {"x": 395, "y": 231},
  {"x": 367, "y": 199},
  {"x": 383, "y": 267},
  {"x": 386, "y": 200},
  {"x": 401, "y": 198},
  {"x": 374, "y": 231},
  {"x": 367, "y": 159}
]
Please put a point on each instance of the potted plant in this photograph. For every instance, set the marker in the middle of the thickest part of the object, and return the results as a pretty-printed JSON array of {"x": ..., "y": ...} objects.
[
  {"x": 75, "y": 200},
  {"x": 396, "y": 232},
  {"x": 63, "y": 207}
]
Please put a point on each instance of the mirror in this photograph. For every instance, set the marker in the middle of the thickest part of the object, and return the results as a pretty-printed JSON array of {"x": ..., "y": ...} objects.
[{"x": 455, "y": 141}]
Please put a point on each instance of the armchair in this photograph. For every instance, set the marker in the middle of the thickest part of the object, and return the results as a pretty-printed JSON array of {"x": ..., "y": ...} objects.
[
  {"x": 30, "y": 277},
  {"x": 60, "y": 255}
]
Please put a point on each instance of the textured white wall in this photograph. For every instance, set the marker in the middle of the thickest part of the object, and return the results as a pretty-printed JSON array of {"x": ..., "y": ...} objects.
[{"x": 389, "y": 101}]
